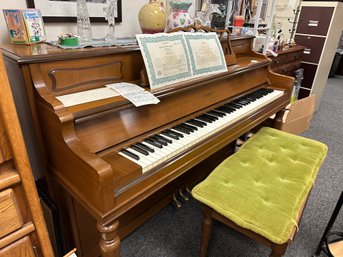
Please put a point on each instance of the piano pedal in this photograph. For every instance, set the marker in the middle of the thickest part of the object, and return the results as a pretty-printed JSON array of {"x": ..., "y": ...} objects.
[
  {"x": 184, "y": 197},
  {"x": 250, "y": 135},
  {"x": 188, "y": 190},
  {"x": 239, "y": 142},
  {"x": 177, "y": 202}
]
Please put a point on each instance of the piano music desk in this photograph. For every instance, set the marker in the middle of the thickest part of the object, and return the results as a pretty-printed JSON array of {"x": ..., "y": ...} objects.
[{"x": 102, "y": 195}]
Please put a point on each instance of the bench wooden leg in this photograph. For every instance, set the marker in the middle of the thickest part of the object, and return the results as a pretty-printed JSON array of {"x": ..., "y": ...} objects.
[
  {"x": 278, "y": 250},
  {"x": 205, "y": 230}
]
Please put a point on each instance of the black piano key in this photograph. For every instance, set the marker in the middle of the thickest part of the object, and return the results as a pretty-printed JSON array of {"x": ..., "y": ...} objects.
[
  {"x": 164, "y": 139},
  {"x": 138, "y": 149},
  {"x": 153, "y": 143},
  {"x": 233, "y": 109},
  {"x": 145, "y": 147},
  {"x": 218, "y": 114},
  {"x": 264, "y": 91},
  {"x": 193, "y": 128},
  {"x": 213, "y": 118},
  {"x": 197, "y": 123},
  {"x": 251, "y": 96},
  {"x": 171, "y": 135},
  {"x": 130, "y": 154},
  {"x": 181, "y": 129},
  {"x": 157, "y": 140},
  {"x": 221, "y": 111},
  {"x": 256, "y": 95},
  {"x": 228, "y": 105},
  {"x": 243, "y": 101},
  {"x": 261, "y": 92},
  {"x": 186, "y": 128},
  {"x": 204, "y": 119},
  {"x": 225, "y": 109},
  {"x": 174, "y": 133},
  {"x": 235, "y": 105}
]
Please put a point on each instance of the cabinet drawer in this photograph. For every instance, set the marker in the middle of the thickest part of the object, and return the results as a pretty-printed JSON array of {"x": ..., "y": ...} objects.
[
  {"x": 314, "y": 20},
  {"x": 287, "y": 69},
  {"x": 22, "y": 247},
  {"x": 309, "y": 73},
  {"x": 313, "y": 47},
  {"x": 286, "y": 58},
  {"x": 10, "y": 218}
]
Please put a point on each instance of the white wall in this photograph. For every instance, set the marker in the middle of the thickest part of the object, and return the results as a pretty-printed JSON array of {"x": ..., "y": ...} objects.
[{"x": 129, "y": 26}]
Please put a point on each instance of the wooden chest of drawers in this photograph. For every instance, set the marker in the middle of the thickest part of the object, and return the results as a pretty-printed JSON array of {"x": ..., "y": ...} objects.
[
  {"x": 22, "y": 227},
  {"x": 287, "y": 61}
]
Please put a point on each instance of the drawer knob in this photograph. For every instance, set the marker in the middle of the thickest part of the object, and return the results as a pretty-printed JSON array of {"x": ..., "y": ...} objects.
[
  {"x": 313, "y": 23},
  {"x": 307, "y": 51}
]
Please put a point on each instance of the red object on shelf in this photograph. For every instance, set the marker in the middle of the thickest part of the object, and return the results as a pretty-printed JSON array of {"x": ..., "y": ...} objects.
[{"x": 238, "y": 21}]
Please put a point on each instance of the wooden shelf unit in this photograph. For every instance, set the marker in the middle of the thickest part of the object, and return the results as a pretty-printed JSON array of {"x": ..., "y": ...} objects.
[{"x": 22, "y": 227}]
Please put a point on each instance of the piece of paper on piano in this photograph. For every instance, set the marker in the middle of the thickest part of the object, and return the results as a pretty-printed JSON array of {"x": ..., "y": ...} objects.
[
  {"x": 135, "y": 94},
  {"x": 166, "y": 58},
  {"x": 177, "y": 57},
  {"x": 206, "y": 53},
  {"x": 86, "y": 96}
]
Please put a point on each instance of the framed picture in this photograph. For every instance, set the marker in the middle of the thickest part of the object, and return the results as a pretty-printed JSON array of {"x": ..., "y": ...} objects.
[{"x": 65, "y": 10}]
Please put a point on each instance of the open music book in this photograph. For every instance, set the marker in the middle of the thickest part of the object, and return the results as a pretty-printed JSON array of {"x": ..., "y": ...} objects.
[{"x": 176, "y": 57}]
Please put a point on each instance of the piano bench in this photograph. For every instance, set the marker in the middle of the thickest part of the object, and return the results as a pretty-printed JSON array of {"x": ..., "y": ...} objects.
[{"x": 261, "y": 190}]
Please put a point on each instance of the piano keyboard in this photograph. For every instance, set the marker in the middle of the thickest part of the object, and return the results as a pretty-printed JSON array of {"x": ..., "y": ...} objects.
[{"x": 163, "y": 146}]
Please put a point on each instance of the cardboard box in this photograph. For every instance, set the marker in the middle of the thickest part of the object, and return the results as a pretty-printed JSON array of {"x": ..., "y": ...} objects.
[{"x": 297, "y": 118}]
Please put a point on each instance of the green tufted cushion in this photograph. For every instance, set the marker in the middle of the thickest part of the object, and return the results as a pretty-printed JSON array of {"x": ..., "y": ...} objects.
[{"x": 264, "y": 184}]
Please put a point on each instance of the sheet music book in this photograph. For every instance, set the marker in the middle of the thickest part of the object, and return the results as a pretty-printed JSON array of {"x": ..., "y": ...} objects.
[{"x": 176, "y": 57}]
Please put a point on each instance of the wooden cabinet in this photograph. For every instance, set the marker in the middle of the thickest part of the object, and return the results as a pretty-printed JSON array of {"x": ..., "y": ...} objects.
[
  {"x": 287, "y": 61},
  {"x": 319, "y": 29},
  {"x": 22, "y": 228}
]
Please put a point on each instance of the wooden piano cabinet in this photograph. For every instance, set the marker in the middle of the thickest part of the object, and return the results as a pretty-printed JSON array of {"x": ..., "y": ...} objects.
[
  {"x": 22, "y": 227},
  {"x": 103, "y": 196}
]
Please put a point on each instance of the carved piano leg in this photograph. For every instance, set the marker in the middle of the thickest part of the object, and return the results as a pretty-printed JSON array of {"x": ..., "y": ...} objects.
[
  {"x": 278, "y": 119},
  {"x": 109, "y": 240}
]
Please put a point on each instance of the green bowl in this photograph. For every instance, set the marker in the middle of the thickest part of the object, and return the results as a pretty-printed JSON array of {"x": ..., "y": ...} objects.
[{"x": 70, "y": 41}]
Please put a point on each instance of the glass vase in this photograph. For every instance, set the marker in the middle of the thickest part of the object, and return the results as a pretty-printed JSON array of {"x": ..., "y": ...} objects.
[
  {"x": 84, "y": 30},
  {"x": 110, "y": 14}
]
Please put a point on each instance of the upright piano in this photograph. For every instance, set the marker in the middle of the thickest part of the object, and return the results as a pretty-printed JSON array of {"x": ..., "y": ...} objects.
[{"x": 110, "y": 166}]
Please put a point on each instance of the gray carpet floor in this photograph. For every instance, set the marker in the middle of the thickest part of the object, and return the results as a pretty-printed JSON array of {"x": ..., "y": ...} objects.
[{"x": 176, "y": 232}]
